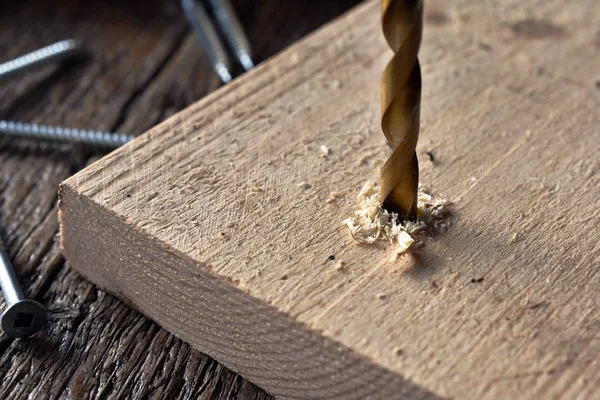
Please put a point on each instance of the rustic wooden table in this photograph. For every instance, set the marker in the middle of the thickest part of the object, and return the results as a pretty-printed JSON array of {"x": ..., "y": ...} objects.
[{"x": 145, "y": 66}]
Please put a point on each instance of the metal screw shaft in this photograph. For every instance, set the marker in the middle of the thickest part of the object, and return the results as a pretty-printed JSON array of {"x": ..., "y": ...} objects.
[
  {"x": 197, "y": 17},
  {"x": 57, "y": 133},
  {"x": 22, "y": 317},
  {"x": 233, "y": 31},
  {"x": 49, "y": 54}
]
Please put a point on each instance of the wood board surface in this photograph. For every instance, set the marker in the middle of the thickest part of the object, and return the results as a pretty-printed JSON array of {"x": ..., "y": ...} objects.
[
  {"x": 217, "y": 224},
  {"x": 144, "y": 65}
]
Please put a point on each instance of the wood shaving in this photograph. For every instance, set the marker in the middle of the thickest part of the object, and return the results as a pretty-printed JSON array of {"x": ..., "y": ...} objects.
[
  {"x": 332, "y": 197},
  {"x": 371, "y": 223},
  {"x": 324, "y": 151},
  {"x": 363, "y": 160}
]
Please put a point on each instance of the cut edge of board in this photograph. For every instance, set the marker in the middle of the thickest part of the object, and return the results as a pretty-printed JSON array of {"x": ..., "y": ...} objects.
[{"x": 264, "y": 345}]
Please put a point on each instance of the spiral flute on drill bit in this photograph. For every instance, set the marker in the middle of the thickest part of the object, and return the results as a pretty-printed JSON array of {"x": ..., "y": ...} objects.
[{"x": 402, "y": 22}]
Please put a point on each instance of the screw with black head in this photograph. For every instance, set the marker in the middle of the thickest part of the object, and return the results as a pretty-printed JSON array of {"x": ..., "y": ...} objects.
[{"x": 22, "y": 317}]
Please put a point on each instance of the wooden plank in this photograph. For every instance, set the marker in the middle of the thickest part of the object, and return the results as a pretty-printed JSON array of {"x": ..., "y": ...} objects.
[
  {"x": 205, "y": 223},
  {"x": 146, "y": 65}
]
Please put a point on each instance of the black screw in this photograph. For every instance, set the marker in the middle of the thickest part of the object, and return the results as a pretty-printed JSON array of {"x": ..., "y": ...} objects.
[{"x": 22, "y": 317}]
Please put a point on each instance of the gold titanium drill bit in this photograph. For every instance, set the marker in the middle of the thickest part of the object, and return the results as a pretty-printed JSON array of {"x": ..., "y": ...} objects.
[{"x": 402, "y": 22}]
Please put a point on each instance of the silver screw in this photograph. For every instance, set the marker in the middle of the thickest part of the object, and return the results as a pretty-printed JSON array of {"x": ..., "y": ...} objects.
[
  {"x": 57, "y": 133},
  {"x": 197, "y": 17},
  {"x": 22, "y": 317},
  {"x": 53, "y": 53},
  {"x": 233, "y": 31}
]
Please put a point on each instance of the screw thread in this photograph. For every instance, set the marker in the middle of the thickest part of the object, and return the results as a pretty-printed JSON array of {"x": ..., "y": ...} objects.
[
  {"x": 233, "y": 32},
  {"x": 57, "y": 133},
  {"x": 49, "y": 54},
  {"x": 209, "y": 38}
]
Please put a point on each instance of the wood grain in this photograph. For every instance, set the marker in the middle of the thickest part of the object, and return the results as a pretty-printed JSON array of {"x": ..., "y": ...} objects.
[
  {"x": 215, "y": 223},
  {"x": 144, "y": 66}
]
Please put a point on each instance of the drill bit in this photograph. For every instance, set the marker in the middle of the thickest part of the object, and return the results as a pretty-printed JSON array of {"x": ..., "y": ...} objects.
[{"x": 402, "y": 22}]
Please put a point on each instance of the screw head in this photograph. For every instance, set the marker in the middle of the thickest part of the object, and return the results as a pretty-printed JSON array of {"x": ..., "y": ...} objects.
[{"x": 23, "y": 319}]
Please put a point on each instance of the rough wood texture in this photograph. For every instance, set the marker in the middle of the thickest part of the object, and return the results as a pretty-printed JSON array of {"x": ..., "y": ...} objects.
[
  {"x": 205, "y": 224},
  {"x": 145, "y": 67}
]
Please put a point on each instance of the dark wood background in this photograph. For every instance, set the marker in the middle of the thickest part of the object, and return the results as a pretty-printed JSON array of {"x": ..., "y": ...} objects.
[{"x": 145, "y": 66}]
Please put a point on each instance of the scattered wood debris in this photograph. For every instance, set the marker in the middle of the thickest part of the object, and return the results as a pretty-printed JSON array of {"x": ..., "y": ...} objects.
[
  {"x": 516, "y": 237},
  {"x": 365, "y": 158},
  {"x": 338, "y": 264},
  {"x": 372, "y": 223},
  {"x": 332, "y": 197},
  {"x": 541, "y": 304}
]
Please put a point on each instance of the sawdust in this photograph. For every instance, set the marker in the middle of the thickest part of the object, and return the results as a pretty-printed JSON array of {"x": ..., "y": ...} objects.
[
  {"x": 333, "y": 196},
  {"x": 372, "y": 224},
  {"x": 339, "y": 265},
  {"x": 324, "y": 151}
]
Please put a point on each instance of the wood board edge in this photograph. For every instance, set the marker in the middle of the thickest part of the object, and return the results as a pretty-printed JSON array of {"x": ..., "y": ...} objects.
[{"x": 252, "y": 338}]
